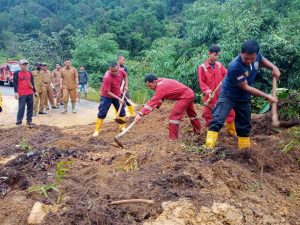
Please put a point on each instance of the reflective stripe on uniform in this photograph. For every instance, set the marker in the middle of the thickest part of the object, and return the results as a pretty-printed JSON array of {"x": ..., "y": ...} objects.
[
  {"x": 174, "y": 121},
  {"x": 193, "y": 118},
  {"x": 148, "y": 107}
]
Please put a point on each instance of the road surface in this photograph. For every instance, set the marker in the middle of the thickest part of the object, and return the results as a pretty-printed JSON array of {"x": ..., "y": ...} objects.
[{"x": 86, "y": 113}]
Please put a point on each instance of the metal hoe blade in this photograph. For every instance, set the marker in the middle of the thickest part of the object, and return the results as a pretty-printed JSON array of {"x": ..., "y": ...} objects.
[
  {"x": 119, "y": 143},
  {"x": 120, "y": 121}
]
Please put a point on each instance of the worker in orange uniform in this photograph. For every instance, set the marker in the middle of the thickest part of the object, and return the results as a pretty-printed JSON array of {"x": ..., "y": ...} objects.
[
  {"x": 169, "y": 89},
  {"x": 210, "y": 75},
  {"x": 68, "y": 83},
  {"x": 111, "y": 94}
]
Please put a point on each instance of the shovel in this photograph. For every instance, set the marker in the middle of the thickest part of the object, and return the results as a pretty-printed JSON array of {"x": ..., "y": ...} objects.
[
  {"x": 212, "y": 95},
  {"x": 274, "y": 110},
  {"x": 122, "y": 133},
  {"x": 118, "y": 119}
]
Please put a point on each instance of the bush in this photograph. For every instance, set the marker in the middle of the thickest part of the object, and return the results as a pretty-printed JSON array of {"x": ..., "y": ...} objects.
[{"x": 95, "y": 80}]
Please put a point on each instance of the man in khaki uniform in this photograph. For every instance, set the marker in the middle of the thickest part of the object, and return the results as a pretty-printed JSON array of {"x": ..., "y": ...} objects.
[
  {"x": 39, "y": 98},
  {"x": 47, "y": 82},
  {"x": 68, "y": 82},
  {"x": 56, "y": 76}
]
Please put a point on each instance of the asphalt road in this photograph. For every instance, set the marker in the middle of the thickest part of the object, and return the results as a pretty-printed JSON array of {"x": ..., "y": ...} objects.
[
  {"x": 7, "y": 91},
  {"x": 86, "y": 112}
]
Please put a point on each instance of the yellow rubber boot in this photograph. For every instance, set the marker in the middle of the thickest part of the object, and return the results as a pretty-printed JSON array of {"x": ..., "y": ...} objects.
[
  {"x": 231, "y": 128},
  {"x": 131, "y": 110},
  {"x": 99, "y": 123},
  {"x": 122, "y": 126},
  {"x": 244, "y": 143},
  {"x": 211, "y": 139}
]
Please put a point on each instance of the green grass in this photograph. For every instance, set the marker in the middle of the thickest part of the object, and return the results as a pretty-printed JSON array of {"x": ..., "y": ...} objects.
[
  {"x": 254, "y": 186},
  {"x": 24, "y": 145},
  {"x": 43, "y": 189},
  {"x": 62, "y": 168},
  {"x": 137, "y": 96},
  {"x": 294, "y": 140},
  {"x": 93, "y": 95}
]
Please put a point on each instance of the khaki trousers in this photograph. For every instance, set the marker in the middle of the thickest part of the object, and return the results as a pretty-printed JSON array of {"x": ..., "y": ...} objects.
[
  {"x": 72, "y": 93},
  {"x": 41, "y": 96},
  {"x": 58, "y": 94},
  {"x": 49, "y": 96}
]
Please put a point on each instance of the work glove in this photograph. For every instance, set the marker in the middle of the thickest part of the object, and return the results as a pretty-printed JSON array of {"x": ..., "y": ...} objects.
[{"x": 16, "y": 96}]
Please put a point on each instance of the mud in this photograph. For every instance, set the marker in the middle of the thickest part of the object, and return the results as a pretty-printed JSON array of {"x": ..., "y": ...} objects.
[{"x": 261, "y": 186}]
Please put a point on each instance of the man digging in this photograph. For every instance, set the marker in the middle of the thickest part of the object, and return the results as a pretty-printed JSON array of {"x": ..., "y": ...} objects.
[{"x": 169, "y": 89}]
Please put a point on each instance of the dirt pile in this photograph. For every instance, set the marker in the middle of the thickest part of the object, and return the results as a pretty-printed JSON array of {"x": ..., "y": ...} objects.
[
  {"x": 257, "y": 187},
  {"x": 184, "y": 212}
]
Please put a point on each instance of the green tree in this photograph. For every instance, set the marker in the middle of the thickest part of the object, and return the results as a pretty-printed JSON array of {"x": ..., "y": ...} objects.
[{"x": 95, "y": 53}]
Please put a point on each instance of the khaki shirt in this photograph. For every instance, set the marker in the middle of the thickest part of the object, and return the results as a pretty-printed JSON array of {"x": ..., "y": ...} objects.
[
  {"x": 69, "y": 77},
  {"x": 46, "y": 77},
  {"x": 38, "y": 81},
  {"x": 56, "y": 76}
]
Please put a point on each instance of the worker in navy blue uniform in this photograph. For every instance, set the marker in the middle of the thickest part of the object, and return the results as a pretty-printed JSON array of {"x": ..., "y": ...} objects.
[{"x": 236, "y": 94}]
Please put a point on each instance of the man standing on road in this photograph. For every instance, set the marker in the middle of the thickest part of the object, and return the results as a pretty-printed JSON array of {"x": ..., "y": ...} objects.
[
  {"x": 68, "y": 83},
  {"x": 236, "y": 94},
  {"x": 111, "y": 94},
  {"x": 169, "y": 89},
  {"x": 39, "y": 98},
  {"x": 47, "y": 77},
  {"x": 83, "y": 81},
  {"x": 24, "y": 89},
  {"x": 56, "y": 76},
  {"x": 121, "y": 63},
  {"x": 210, "y": 75}
]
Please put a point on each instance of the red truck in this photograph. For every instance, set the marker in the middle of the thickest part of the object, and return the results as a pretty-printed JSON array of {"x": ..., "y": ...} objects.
[{"x": 6, "y": 72}]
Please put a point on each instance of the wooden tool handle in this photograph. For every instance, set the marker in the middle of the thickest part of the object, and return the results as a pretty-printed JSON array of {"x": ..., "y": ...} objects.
[
  {"x": 147, "y": 201},
  {"x": 120, "y": 105},
  {"x": 275, "y": 120},
  {"x": 125, "y": 131},
  {"x": 213, "y": 93}
]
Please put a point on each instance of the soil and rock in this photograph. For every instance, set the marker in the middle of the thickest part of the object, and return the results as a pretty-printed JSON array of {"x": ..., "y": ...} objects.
[{"x": 188, "y": 184}]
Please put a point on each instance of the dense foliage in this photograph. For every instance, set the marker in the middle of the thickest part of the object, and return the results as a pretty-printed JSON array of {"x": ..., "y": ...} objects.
[{"x": 169, "y": 38}]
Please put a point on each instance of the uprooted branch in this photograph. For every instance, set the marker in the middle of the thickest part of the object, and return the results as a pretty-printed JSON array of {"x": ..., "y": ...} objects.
[{"x": 127, "y": 201}]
